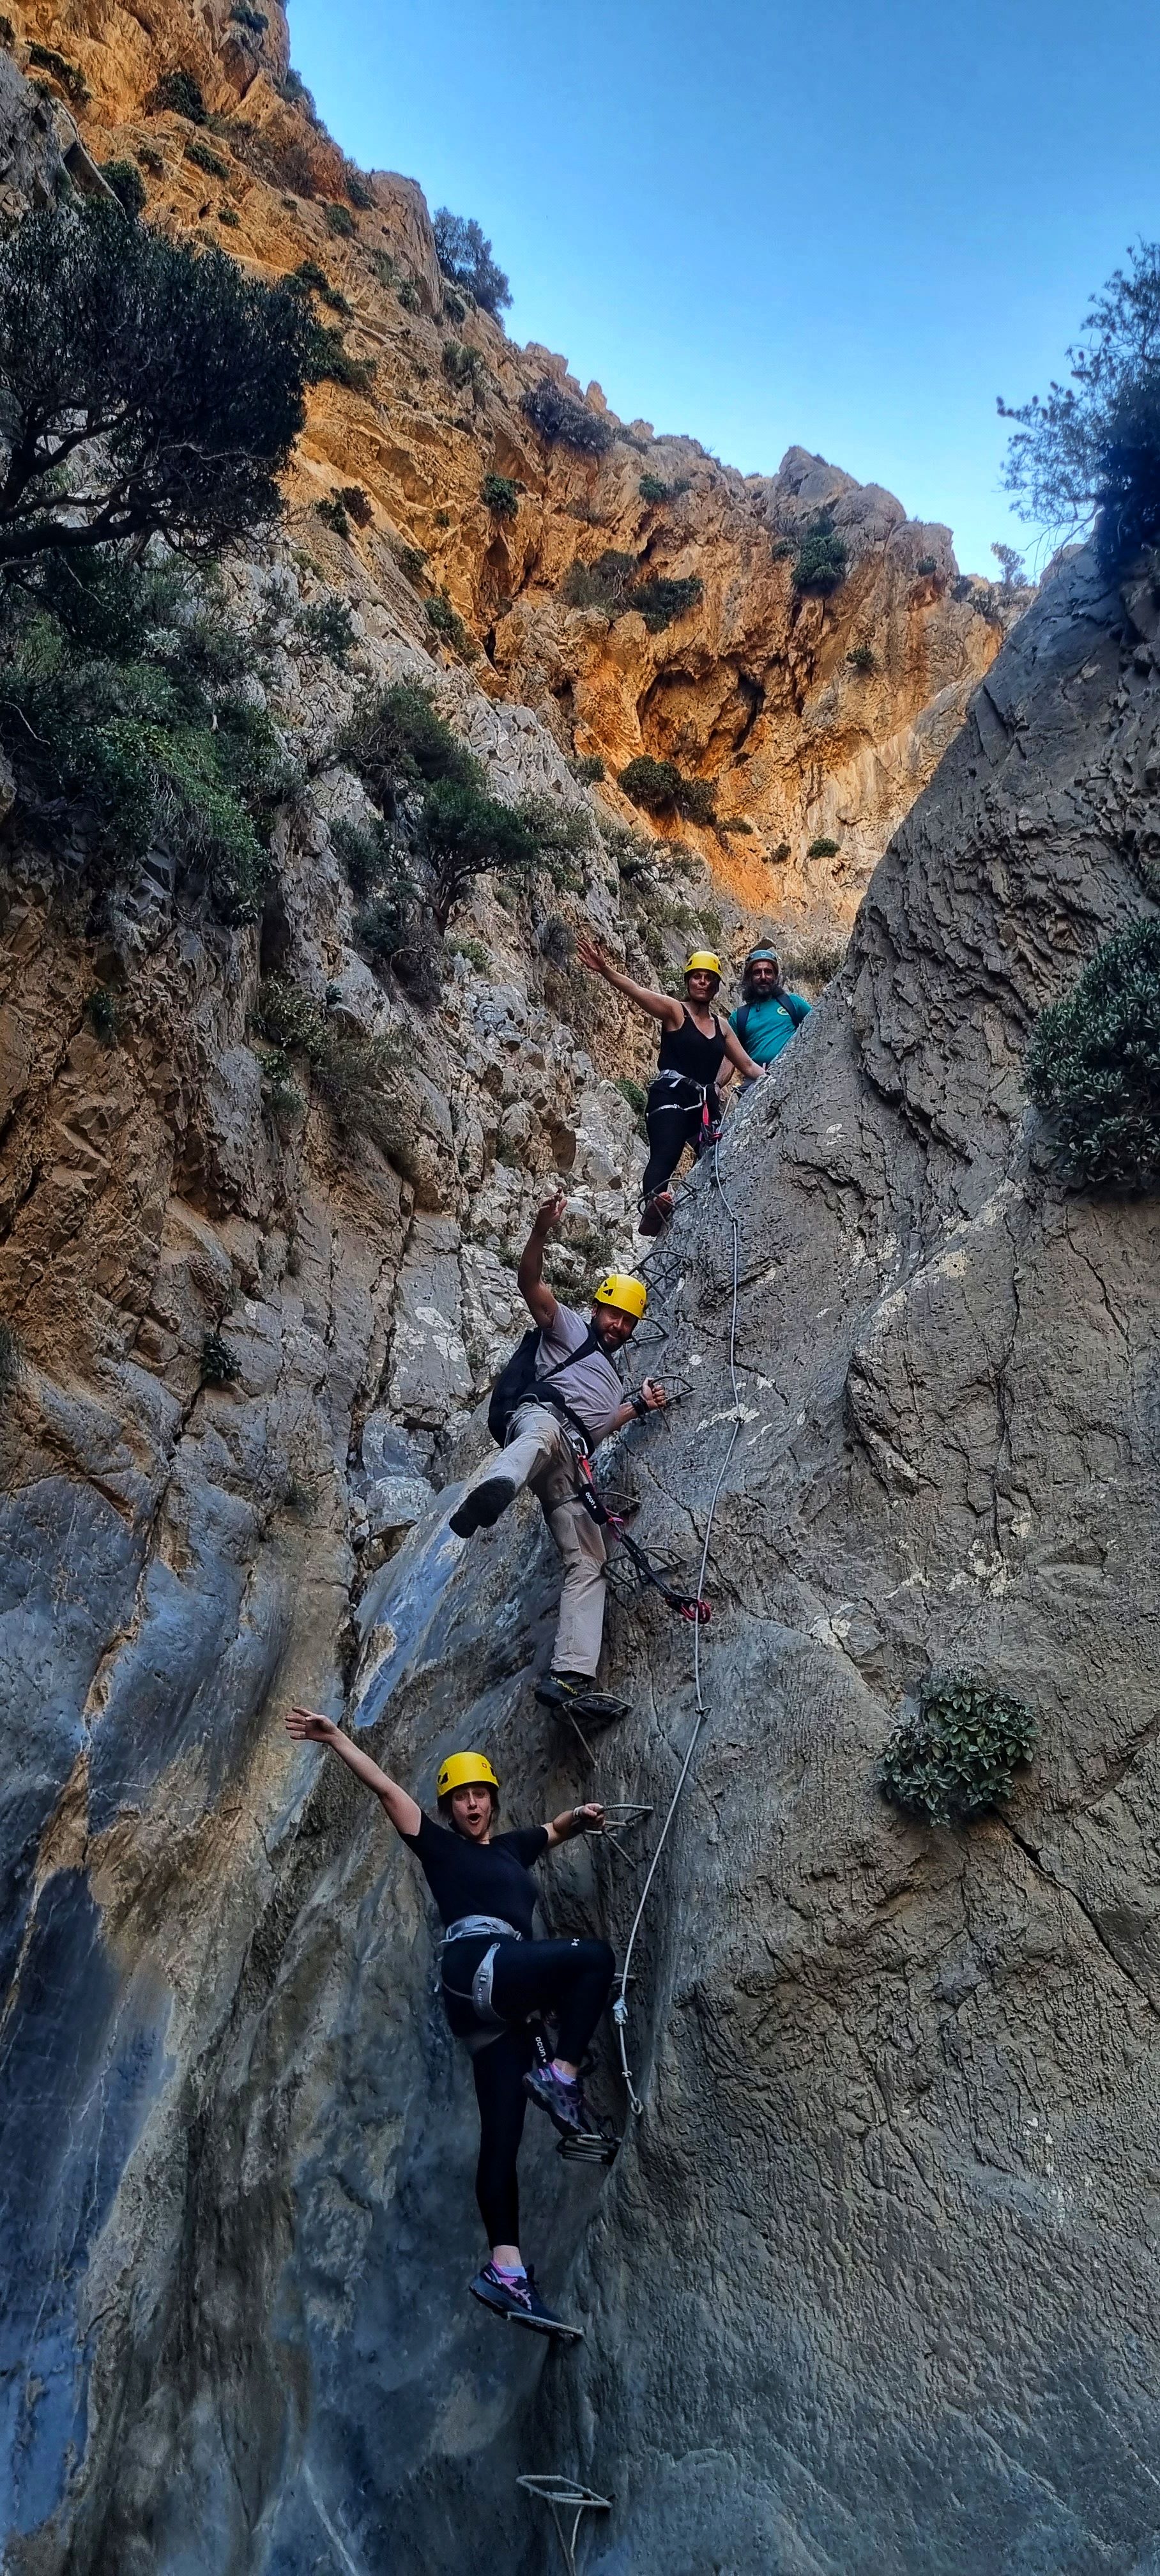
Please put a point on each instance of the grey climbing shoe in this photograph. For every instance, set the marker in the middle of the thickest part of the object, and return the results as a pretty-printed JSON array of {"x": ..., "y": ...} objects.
[
  {"x": 578, "y": 1697},
  {"x": 563, "y": 2102},
  {"x": 481, "y": 1507},
  {"x": 520, "y": 2302}
]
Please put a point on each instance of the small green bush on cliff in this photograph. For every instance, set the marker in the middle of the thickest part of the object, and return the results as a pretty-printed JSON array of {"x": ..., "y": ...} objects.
[
  {"x": 958, "y": 1755},
  {"x": 181, "y": 94},
  {"x": 121, "y": 711},
  {"x": 658, "y": 786},
  {"x": 659, "y": 601},
  {"x": 464, "y": 255},
  {"x": 125, "y": 180},
  {"x": 1088, "y": 456},
  {"x": 822, "y": 558},
  {"x": 69, "y": 75},
  {"x": 559, "y": 418},
  {"x": 500, "y": 495},
  {"x": 1093, "y": 1066}
]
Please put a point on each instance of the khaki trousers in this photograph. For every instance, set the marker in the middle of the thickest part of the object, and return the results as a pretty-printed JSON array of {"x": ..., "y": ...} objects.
[{"x": 539, "y": 1454}]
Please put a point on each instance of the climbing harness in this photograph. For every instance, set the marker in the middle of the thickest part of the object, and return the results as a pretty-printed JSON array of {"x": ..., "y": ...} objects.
[
  {"x": 620, "y": 2006},
  {"x": 563, "y": 2496}
]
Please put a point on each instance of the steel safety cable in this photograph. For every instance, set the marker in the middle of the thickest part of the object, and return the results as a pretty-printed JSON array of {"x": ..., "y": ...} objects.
[{"x": 620, "y": 2007}]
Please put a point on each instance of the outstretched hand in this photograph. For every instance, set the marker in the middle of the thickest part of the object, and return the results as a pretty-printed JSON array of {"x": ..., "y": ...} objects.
[
  {"x": 551, "y": 1213},
  {"x": 307, "y": 1727},
  {"x": 590, "y": 955}
]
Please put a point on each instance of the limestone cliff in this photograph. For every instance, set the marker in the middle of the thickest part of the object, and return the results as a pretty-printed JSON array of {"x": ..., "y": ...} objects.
[{"x": 753, "y": 689}]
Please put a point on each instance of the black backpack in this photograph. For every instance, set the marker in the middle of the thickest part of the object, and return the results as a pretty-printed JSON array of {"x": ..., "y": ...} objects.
[
  {"x": 517, "y": 1380},
  {"x": 797, "y": 1009}
]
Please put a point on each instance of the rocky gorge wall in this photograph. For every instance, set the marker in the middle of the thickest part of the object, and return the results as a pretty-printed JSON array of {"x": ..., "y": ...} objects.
[
  {"x": 872, "y": 2285},
  {"x": 752, "y": 690}
]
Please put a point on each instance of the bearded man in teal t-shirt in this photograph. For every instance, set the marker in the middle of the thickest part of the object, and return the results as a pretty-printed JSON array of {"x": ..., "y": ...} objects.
[{"x": 766, "y": 1016}]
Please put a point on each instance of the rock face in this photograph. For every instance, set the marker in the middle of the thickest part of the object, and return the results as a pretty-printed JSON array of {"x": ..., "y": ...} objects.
[
  {"x": 872, "y": 2284},
  {"x": 753, "y": 689}
]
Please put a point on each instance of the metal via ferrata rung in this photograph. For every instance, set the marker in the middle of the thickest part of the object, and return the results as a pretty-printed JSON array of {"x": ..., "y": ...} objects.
[{"x": 565, "y": 2496}]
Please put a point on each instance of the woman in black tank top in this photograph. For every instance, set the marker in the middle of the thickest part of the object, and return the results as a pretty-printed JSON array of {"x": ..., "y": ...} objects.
[{"x": 682, "y": 1106}]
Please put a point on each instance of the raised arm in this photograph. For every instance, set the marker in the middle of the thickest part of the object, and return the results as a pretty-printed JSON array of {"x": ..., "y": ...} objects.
[
  {"x": 307, "y": 1727},
  {"x": 660, "y": 1006},
  {"x": 537, "y": 1297}
]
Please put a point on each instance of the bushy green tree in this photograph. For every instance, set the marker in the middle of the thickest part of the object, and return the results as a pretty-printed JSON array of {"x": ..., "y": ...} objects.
[
  {"x": 1093, "y": 1066},
  {"x": 658, "y": 786},
  {"x": 1088, "y": 456},
  {"x": 128, "y": 186},
  {"x": 181, "y": 378},
  {"x": 659, "y": 601},
  {"x": 464, "y": 255}
]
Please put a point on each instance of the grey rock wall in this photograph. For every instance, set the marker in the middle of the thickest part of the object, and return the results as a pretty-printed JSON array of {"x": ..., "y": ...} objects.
[{"x": 874, "y": 2283}]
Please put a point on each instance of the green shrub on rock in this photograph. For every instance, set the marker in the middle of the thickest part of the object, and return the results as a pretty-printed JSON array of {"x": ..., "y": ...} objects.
[
  {"x": 823, "y": 848},
  {"x": 179, "y": 92},
  {"x": 957, "y": 1756},
  {"x": 500, "y": 495},
  {"x": 328, "y": 626},
  {"x": 1093, "y": 1066},
  {"x": 822, "y": 558},
  {"x": 119, "y": 701},
  {"x": 561, "y": 419},
  {"x": 127, "y": 184},
  {"x": 1089, "y": 455},
  {"x": 659, "y": 601},
  {"x": 69, "y": 75},
  {"x": 220, "y": 1366},
  {"x": 658, "y": 786}
]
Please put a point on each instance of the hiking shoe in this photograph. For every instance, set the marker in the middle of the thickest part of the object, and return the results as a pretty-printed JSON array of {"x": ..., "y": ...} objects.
[
  {"x": 656, "y": 1212},
  {"x": 563, "y": 2102},
  {"x": 520, "y": 2302},
  {"x": 579, "y": 1697},
  {"x": 483, "y": 1505}
]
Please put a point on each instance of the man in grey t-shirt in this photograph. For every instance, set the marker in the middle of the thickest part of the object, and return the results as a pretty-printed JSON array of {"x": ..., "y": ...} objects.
[{"x": 582, "y": 1403}]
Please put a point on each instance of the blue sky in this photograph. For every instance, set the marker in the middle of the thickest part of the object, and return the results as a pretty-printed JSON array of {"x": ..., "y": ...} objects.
[{"x": 845, "y": 228}]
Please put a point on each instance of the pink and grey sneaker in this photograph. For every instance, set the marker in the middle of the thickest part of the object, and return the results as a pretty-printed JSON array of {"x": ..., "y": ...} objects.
[
  {"x": 514, "y": 2295},
  {"x": 563, "y": 2101}
]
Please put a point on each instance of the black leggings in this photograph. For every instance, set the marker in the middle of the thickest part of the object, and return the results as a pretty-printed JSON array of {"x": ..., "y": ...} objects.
[
  {"x": 670, "y": 1129},
  {"x": 571, "y": 1979}
]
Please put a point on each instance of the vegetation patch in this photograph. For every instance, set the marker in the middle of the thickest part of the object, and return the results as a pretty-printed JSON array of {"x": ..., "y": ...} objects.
[
  {"x": 340, "y": 221},
  {"x": 658, "y": 786},
  {"x": 823, "y": 848},
  {"x": 179, "y": 92},
  {"x": 659, "y": 601},
  {"x": 958, "y": 1755},
  {"x": 332, "y": 513},
  {"x": 69, "y": 75},
  {"x": 204, "y": 157},
  {"x": 220, "y": 1366},
  {"x": 443, "y": 615},
  {"x": 862, "y": 659},
  {"x": 127, "y": 184},
  {"x": 254, "y": 20},
  {"x": 588, "y": 769},
  {"x": 181, "y": 377},
  {"x": 500, "y": 495},
  {"x": 465, "y": 256},
  {"x": 409, "y": 296},
  {"x": 309, "y": 274},
  {"x": 1093, "y": 1066},
  {"x": 121, "y": 708},
  {"x": 822, "y": 558},
  {"x": 11, "y": 1356},
  {"x": 102, "y": 1015},
  {"x": 1089, "y": 455},
  {"x": 561, "y": 419},
  {"x": 356, "y": 1074},
  {"x": 328, "y": 627},
  {"x": 464, "y": 368}
]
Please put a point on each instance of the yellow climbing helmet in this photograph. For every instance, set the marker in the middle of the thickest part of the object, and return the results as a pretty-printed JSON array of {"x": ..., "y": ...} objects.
[
  {"x": 465, "y": 1771},
  {"x": 703, "y": 962},
  {"x": 629, "y": 1296}
]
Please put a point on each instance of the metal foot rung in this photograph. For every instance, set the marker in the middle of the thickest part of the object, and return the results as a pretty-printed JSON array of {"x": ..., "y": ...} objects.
[
  {"x": 590, "y": 2147},
  {"x": 565, "y": 2496}
]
